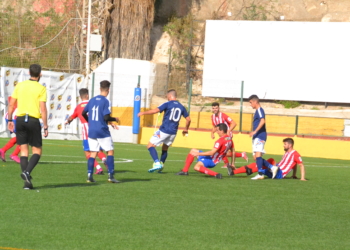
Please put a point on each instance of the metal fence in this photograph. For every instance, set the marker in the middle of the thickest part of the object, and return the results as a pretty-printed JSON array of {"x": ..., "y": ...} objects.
[{"x": 57, "y": 41}]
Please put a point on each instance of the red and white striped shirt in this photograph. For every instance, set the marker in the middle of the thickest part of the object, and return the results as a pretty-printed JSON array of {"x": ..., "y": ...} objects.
[
  {"x": 14, "y": 117},
  {"x": 289, "y": 161},
  {"x": 223, "y": 144},
  {"x": 222, "y": 118},
  {"x": 84, "y": 124}
]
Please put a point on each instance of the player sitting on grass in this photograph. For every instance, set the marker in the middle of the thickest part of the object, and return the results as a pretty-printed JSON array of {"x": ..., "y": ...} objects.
[
  {"x": 12, "y": 141},
  {"x": 289, "y": 161},
  {"x": 84, "y": 96},
  {"x": 99, "y": 110},
  {"x": 210, "y": 158},
  {"x": 173, "y": 110},
  {"x": 220, "y": 117}
]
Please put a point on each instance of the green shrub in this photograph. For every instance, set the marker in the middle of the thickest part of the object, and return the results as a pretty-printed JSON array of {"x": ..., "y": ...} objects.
[{"x": 289, "y": 104}]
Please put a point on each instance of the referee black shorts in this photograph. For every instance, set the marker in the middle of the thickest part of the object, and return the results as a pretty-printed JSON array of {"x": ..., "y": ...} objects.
[{"x": 28, "y": 132}]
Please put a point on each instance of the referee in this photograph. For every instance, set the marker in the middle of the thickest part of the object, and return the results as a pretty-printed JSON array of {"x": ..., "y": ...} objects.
[{"x": 31, "y": 98}]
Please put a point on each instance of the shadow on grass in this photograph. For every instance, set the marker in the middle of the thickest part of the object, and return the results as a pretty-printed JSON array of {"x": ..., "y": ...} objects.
[
  {"x": 123, "y": 171},
  {"x": 67, "y": 185},
  {"x": 134, "y": 180}
]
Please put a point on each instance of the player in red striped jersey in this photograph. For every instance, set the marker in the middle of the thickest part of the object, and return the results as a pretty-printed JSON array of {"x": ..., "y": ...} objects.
[
  {"x": 219, "y": 117},
  {"x": 84, "y": 96},
  {"x": 12, "y": 142},
  {"x": 210, "y": 158},
  {"x": 289, "y": 162}
]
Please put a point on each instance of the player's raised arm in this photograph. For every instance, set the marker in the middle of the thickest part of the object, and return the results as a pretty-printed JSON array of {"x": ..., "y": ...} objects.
[{"x": 149, "y": 112}]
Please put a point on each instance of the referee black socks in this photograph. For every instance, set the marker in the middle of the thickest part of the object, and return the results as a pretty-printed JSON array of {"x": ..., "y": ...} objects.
[
  {"x": 32, "y": 162},
  {"x": 24, "y": 163}
]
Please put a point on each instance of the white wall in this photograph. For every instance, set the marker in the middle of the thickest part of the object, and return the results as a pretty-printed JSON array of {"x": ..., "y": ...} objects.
[
  {"x": 277, "y": 60},
  {"x": 123, "y": 74}
]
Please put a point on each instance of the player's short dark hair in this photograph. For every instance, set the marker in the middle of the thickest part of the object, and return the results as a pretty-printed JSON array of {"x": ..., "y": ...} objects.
[
  {"x": 215, "y": 104},
  {"x": 105, "y": 85},
  {"x": 289, "y": 140},
  {"x": 222, "y": 127},
  {"x": 83, "y": 92},
  {"x": 253, "y": 97},
  {"x": 172, "y": 92},
  {"x": 34, "y": 70}
]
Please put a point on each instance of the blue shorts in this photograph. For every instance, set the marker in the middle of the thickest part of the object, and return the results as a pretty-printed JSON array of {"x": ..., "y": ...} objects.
[
  {"x": 206, "y": 160},
  {"x": 86, "y": 145},
  {"x": 14, "y": 123},
  {"x": 279, "y": 174}
]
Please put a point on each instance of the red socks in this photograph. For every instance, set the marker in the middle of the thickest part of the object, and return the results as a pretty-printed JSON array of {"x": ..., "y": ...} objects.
[
  {"x": 101, "y": 155},
  {"x": 225, "y": 160},
  {"x": 17, "y": 150},
  {"x": 10, "y": 144},
  {"x": 242, "y": 170},
  {"x": 188, "y": 162},
  {"x": 238, "y": 155},
  {"x": 207, "y": 171}
]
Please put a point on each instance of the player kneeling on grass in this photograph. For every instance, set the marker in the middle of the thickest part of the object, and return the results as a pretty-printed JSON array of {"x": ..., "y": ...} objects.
[
  {"x": 99, "y": 110},
  {"x": 288, "y": 163},
  {"x": 210, "y": 158}
]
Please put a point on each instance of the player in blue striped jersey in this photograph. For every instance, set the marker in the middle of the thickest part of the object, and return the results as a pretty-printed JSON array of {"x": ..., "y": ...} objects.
[{"x": 173, "y": 110}]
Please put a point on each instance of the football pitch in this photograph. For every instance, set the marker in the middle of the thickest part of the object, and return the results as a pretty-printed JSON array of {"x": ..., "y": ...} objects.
[{"x": 165, "y": 211}]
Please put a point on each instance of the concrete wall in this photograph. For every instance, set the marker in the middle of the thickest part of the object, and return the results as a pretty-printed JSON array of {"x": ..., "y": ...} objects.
[
  {"x": 278, "y": 124},
  {"x": 320, "y": 148}
]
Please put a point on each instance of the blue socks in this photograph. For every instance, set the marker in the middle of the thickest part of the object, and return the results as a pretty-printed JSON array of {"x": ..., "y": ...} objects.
[
  {"x": 163, "y": 156},
  {"x": 267, "y": 164},
  {"x": 259, "y": 163},
  {"x": 153, "y": 154},
  {"x": 90, "y": 166},
  {"x": 110, "y": 164}
]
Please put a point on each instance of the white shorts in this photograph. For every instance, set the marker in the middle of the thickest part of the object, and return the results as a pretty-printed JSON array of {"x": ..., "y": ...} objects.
[
  {"x": 258, "y": 145},
  {"x": 104, "y": 143},
  {"x": 159, "y": 137}
]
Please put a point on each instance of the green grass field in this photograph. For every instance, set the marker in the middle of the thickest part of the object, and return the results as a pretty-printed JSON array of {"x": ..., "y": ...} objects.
[{"x": 164, "y": 211}]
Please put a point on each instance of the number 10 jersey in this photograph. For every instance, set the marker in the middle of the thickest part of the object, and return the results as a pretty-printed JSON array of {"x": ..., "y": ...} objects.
[{"x": 173, "y": 110}]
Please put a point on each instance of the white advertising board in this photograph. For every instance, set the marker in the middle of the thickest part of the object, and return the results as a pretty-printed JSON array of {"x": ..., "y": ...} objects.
[{"x": 277, "y": 60}]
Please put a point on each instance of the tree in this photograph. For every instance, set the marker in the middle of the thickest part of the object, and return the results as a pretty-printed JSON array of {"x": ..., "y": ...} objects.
[{"x": 128, "y": 29}]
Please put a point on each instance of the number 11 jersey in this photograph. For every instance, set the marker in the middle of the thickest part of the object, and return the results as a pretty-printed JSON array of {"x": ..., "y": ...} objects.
[
  {"x": 173, "y": 110},
  {"x": 97, "y": 108}
]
